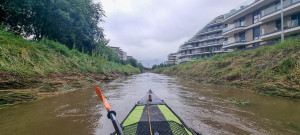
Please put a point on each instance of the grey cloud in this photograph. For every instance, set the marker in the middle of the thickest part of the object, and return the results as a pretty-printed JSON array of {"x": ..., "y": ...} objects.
[{"x": 158, "y": 27}]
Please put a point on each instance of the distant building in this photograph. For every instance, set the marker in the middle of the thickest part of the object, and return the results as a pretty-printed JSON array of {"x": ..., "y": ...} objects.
[
  {"x": 258, "y": 22},
  {"x": 172, "y": 58},
  {"x": 129, "y": 57},
  {"x": 206, "y": 43},
  {"x": 122, "y": 55},
  {"x": 250, "y": 25}
]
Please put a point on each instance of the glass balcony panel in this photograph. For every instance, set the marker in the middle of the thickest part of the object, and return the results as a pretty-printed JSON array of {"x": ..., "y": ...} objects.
[
  {"x": 243, "y": 24},
  {"x": 295, "y": 1},
  {"x": 292, "y": 23},
  {"x": 241, "y": 7},
  {"x": 277, "y": 7},
  {"x": 225, "y": 43}
]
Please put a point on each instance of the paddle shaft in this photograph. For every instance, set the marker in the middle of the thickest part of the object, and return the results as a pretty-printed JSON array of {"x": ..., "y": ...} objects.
[
  {"x": 111, "y": 114},
  {"x": 115, "y": 123}
]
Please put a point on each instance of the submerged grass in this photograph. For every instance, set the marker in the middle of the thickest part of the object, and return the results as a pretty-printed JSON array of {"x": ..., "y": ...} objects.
[
  {"x": 294, "y": 126},
  {"x": 237, "y": 101},
  {"x": 271, "y": 70}
]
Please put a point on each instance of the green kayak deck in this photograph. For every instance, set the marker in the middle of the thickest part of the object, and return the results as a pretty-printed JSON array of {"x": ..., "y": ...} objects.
[{"x": 163, "y": 119}]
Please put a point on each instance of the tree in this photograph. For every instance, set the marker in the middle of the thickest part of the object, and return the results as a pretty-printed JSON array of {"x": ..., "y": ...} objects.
[
  {"x": 70, "y": 22},
  {"x": 106, "y": 52},
  {"x": 133, "y": 62}
]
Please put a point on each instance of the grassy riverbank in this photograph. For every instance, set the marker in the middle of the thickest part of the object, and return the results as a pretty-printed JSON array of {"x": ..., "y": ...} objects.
[
  {"x": 271, "y": 70},
  {"x": 28, "y": 68}
]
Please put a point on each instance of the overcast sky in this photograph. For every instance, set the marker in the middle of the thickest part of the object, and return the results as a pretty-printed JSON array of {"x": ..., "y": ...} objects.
[{"x": 152, "y": 29}]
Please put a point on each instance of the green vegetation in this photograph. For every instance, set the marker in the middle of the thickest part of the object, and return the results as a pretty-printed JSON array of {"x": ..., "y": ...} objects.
[
  {"x": 133, "y": 62},
  {"x": 236, "y": 101},
  {"x": 294, "y": 126},
  {"x": 271, "y": 70},
  {"x": 162, "y": 65},
  {"x": 44, "y": 57},
  {"x": 31, "y": 64},
  {"x": 68, "y": 48},
  {"x": 73, "y": 23}
]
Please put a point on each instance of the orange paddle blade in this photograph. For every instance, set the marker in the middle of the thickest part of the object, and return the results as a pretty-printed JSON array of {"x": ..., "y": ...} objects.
[{"x": 104, "y": 100}]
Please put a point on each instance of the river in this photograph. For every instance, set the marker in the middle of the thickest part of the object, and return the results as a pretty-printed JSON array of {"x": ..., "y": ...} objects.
[{"x": 204, "y": 107}]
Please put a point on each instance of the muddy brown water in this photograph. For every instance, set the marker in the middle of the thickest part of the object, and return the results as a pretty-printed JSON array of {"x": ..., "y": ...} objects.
[{"x": 203, "y": 107}]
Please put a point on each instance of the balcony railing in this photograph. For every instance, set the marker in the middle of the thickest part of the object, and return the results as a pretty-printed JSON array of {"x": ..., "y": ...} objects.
[
  {"x": 209, "y": 30},
  {"x": 234, "y": 26},
  {"x": 273, "y": 8},
  {"x": 241, "y": 7},
  {"x": 185, "y": 59},
  {"x": 186, "y": 47},
  {"x": 236, "y": 40},
  {"x": 215, "y": 22},
  {"x": 290, "y": 24}
]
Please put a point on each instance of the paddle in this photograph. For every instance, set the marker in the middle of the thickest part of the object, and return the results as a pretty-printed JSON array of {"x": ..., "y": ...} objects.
[{"x": 111, "y": 114}]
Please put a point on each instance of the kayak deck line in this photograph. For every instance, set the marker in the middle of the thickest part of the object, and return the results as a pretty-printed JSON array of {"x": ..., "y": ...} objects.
[{"x": 164, "y": 121}]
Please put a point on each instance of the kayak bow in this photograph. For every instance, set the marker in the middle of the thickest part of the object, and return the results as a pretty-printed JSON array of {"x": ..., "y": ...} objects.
[{"x": 151, "y": 115}]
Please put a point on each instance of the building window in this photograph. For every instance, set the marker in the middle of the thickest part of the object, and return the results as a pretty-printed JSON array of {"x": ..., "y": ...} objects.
[
  {"x": 242, "y": 37},
  {"x": 278, "y": 24},
  {"x": 295, "y": 19},
  {"x": 240, "y": 22},
  {"x": 256, "y": 33},
  {"x": 208, "y": 42},
  {"x": 256, "y": 17},
  {"x": 277, "y": 5}
]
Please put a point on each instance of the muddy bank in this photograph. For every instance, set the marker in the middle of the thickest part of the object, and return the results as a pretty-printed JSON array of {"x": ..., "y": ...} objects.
[{"x": 15, "y": 88}]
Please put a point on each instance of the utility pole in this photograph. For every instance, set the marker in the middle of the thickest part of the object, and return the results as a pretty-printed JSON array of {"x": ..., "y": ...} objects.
[{"x": 282, "y": 30}]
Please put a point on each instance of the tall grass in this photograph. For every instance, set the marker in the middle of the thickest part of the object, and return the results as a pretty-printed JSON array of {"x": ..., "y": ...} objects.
[{"x": 44, "y": 57}]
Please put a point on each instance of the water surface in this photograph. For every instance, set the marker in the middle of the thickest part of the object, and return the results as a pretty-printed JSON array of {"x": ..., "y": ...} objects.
[{"x": 203, "y": 107}]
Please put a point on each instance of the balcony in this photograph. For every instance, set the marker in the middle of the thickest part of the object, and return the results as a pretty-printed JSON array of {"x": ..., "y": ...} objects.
[
  {"x": 235, "y": 28},
  {"x": 215, "y": 22},
  {"x": 237, "y": 42},
  {"x": 268, "y": 33},
  {"x": 211, "y": 37},
  {"x": 240, "y": 8},
  {"x": 192, "y": 41},
  {"x": 186, "y": 47},
  {"x": 209, "y": 31},
  {"x": 187, "y": 59},
  {"x": 273, "y": 12}
]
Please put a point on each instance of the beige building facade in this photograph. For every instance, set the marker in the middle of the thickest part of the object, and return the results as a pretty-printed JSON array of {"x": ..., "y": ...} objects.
[
  {"x": 172, "y": 58},
  {"x": 250, "y": 25},
  {"x": 206, "y": 43},
  {"x": 258, "y": 22}
]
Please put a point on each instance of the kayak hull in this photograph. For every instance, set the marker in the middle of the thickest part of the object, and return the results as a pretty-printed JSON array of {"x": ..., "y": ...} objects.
[{"x": 163, "y": 119}]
